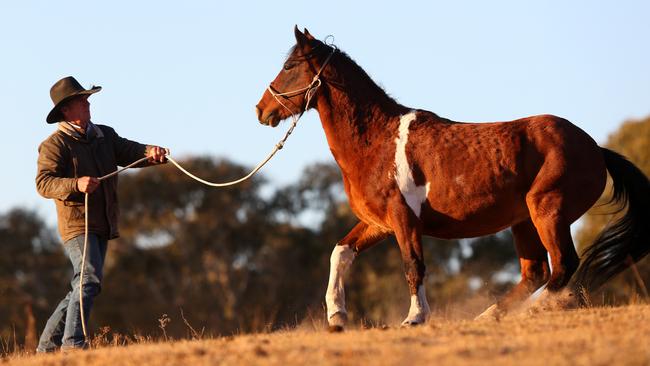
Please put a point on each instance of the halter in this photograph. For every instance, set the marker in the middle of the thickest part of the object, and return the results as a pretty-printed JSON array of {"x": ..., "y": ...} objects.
[{"x": 309, "y": 91}]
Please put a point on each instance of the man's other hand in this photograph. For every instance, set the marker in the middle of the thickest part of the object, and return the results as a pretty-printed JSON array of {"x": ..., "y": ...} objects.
[
  {"x": 157, "y": 154},
  {"x": 87, "y": 184}
]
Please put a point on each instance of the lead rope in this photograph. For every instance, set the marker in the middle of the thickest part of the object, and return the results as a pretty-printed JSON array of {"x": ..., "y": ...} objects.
[
  {"x": 309, "y": 91},
  {"x": 277, "y": 147},
  {"x": 83, "y": 257}
]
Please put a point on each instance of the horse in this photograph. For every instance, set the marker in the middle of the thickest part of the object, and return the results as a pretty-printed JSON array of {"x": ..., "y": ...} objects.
[{"x": 409, "y": 172}]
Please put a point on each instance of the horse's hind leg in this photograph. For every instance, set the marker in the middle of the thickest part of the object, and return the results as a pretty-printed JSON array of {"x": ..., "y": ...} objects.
[
  {"x": 535, "y": 272},
  {"x": 552, "y": 217},
  {"x": 554, "y": 231},
  {"x": 361, "y": 237},
  {"x": 533, "y": 259}
]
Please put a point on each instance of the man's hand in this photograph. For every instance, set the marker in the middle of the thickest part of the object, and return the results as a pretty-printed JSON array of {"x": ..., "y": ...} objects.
[
  {"x": 157, "y": 154},
  {"x": 87, "y": 184}
]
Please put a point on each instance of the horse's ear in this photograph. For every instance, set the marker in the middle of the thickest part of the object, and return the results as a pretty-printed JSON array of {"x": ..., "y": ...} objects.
[
  {"x": 308, "y": 35},
  {"x": 301, "y": 39}
]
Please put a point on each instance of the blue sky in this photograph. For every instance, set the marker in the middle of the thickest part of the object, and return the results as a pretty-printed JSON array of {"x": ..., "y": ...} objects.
[{"x": 187, "y": 75}]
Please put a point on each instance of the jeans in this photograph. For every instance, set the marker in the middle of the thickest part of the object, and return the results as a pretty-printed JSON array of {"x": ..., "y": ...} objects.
[{"x": 63, "y": 328}]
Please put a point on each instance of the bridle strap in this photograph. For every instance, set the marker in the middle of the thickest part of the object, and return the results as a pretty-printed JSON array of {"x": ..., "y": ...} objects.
[{"x": 309, "y": 90}]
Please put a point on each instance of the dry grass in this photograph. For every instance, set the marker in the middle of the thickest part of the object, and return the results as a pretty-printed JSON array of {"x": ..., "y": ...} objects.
[{"x": 597, "y": 336}]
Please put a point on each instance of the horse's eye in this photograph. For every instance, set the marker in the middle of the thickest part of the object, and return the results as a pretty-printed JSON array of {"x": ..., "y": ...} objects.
[{"x": 288, "y": 65}]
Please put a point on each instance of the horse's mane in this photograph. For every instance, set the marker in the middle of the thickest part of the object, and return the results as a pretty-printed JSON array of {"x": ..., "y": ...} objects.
[{"x": 320, "y": 50}]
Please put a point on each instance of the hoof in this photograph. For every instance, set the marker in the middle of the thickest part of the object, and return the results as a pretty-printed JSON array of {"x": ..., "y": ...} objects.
[
  {"x": 567, "y": 300},
  {"x": 335, "y": 329},
  {"x": 410, "y": 324},
  {"x": 554, "y": 301},
  {"x": 415, "y": 321},
  {"x": 337, "y": 322}
]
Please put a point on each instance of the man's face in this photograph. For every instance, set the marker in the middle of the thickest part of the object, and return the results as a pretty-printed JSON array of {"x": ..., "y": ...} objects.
[{"x": 77, "y": 109}]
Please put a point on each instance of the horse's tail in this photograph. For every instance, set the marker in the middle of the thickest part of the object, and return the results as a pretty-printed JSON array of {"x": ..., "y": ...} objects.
[{"x": 627, "y": 240}]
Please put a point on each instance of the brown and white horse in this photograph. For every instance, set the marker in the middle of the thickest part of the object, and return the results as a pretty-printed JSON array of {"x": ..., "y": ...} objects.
[{"x": 408, "y": 172}]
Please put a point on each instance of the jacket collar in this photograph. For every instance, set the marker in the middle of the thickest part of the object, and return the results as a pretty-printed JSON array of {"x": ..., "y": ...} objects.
[{"x": 92, "y": 131}]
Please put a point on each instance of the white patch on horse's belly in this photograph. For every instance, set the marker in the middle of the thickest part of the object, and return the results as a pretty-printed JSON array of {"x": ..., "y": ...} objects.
[{"x": 413, "y": 195}]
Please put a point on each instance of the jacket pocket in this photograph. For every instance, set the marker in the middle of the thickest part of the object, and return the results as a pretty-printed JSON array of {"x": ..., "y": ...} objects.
[
  {"x": 72, "y": 203},
  {"x": 74, "y": 213},
  {"x": 74, "y": 199}
]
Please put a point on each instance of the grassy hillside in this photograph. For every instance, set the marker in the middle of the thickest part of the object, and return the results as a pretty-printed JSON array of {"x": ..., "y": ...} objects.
[{"x": 596, "y": 336}]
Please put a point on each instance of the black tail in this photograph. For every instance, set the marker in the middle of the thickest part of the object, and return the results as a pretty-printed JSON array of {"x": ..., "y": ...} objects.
[{"x": 626, "y": 239}]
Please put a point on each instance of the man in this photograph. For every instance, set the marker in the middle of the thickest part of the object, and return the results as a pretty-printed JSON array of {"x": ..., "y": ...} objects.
[{"x": 70, "y": 162}]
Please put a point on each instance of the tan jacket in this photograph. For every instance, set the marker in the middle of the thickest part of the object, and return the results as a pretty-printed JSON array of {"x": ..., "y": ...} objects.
[{"x": 62, "y": 158}]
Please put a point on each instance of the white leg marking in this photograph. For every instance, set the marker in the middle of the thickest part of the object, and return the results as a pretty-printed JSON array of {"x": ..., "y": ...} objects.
[
  {"x": 489, "y": 313},
  {"x": 413, "y": 195},
  {"x": 547, "y": 300},
  {"x": 419, "y": 311},
  {"x": 340, "y": 261},
  {"x": 535, "y": 296}
]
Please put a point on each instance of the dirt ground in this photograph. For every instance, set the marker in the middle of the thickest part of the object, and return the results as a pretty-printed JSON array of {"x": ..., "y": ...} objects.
[{"x": 596, "y": 336}]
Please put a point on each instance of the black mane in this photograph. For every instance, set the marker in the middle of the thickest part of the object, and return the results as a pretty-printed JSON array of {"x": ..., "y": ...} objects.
[{"x": 320, "y": 51}]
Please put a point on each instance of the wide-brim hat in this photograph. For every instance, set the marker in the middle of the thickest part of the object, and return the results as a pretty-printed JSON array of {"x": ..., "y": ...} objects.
[{"x": 64, "y": 90}]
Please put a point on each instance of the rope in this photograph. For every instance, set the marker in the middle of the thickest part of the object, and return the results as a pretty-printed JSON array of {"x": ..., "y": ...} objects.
[
  {"x": 277, "y": 148},
  {"x": 309, "y": 91},
  {"x": 259, "y": 166},
  {"x": 83, "y": 257}
]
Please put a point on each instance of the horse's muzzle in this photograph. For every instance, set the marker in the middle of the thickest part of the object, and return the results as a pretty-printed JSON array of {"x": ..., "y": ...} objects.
[{"x": 270, "y": 119}]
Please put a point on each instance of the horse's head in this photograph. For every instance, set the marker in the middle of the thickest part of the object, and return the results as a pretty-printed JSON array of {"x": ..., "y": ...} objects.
[{"x": 290, "y": 92}]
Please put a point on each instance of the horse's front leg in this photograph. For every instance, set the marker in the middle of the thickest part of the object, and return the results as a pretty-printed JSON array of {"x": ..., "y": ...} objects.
[
  {"x": 361, "y": 237},
  {"x": 408, "y": 232}
]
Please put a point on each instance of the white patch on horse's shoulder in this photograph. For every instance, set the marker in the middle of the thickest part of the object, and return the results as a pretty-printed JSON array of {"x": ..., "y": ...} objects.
[{"x": 413, "y": 195}]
